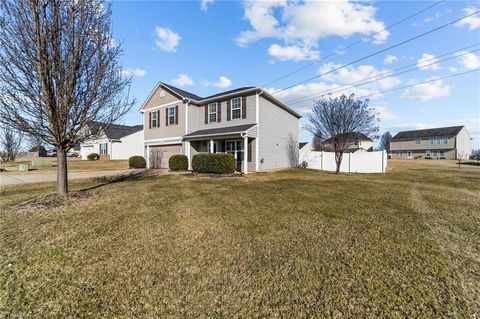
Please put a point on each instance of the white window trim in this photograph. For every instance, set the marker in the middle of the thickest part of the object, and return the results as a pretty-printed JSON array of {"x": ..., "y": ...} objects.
[
  {"x": 210, "y": 113},
  {"x": 169, "y": 116},
  {"x": 152, "y": 114},
  {"x": 106, "y": 148},
  {"x": 417, "y": 140},
  {"x": 240, "y": 108}
]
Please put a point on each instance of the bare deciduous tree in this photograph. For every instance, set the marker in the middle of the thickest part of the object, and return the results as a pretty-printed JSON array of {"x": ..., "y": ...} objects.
[
  {"x": 385, "y": 141},
  {"x": 59, "y": 70},
  {"x": 10, "y": 143},
  {"x": 334, "y": 119},
  {"x": 292, "y": 150}
]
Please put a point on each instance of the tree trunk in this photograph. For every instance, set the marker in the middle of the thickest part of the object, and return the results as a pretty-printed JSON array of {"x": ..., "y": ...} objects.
[
  {"x": 62, "y": 177},
  {"x": 338, "y": 161}
]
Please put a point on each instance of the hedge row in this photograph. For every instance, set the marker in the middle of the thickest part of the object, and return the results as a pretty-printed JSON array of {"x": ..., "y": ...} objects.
[
  {"x": 178, "y": 162},
  {"x": 214, "y": 163}
]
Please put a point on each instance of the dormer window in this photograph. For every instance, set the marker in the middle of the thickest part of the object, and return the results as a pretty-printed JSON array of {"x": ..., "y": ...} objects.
[
  {"x": 237, "y": 108},
  {"x": 212, "y": 112}
]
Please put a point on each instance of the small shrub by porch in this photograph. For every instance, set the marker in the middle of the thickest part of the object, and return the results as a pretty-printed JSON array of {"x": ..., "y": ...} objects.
[
  {"x": 137, "y": 162},
  {"x": 178, "y": 162},
  {"x": 216, "y": 163}
]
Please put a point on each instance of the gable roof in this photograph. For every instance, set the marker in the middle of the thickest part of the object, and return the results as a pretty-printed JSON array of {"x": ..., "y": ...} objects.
[
  {"x": 354, "y": 136},
  {"x": 114, "y": 131},
  {"x": 301, "y": 145},
  {"x": 433, "y": 132},
  {"x": 182, "y": 94}
]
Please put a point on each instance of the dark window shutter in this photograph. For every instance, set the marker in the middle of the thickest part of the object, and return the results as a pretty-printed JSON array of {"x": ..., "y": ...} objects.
[
  {"x": 149, "y": 119},
  {"x": 229, "y": 109},
  {"x": 219, "y": 111},
  {"x": 176, "y": 114},
  {"x": 244, "y": 107},
  {"x": 249, "y": 155},
  {"x": 206, "y": 114},
  {"x": 166, "y": 117},
  {"x": 158, "y": 118}
]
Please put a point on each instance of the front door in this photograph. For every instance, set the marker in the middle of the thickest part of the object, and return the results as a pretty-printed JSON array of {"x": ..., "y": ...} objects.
[
  {"x": 236, "y": 149},
  {"x": 409, "y": 154}
]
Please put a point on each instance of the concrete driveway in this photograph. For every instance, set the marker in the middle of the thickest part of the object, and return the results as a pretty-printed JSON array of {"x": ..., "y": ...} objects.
[{"x": 12, "y": 179}]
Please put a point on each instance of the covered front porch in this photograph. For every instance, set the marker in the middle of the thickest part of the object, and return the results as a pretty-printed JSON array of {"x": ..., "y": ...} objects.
[{"x": 240, "y": 141}]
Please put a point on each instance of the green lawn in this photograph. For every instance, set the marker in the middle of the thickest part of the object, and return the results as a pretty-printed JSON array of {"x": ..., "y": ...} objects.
[{"x": 290, "y": 244}]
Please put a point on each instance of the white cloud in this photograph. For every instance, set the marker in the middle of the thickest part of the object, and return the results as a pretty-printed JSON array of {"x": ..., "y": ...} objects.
[
  {"x": 136, "y": 72},
  {"x": 352, "y": 74},
  {"x": 469, "y": 61},
  {"x": 384, "y": 113},
  {"x": 303, "y": 23},
  {"x": 389, "y": 59},
  {"x": 182, "y": 80},
  {"x": 204, "y": 4},
  {"x": 453, "y": 69},
  {"x": 293, "y": 52},
  {"x": 472, "y": 22},
  {"x": 428, "y": 62},
  {"x": 166, "y": 39},
  {"x": 426, "y": 91},
  {"x": 223, "y": 82}
]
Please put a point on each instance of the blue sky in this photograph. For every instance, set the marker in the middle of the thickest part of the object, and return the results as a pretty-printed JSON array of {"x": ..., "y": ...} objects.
[{"x": 209, "y": 46}]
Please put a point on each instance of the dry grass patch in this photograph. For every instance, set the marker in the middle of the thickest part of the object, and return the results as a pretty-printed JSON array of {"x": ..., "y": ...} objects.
[{"x": 296, "y": 243}]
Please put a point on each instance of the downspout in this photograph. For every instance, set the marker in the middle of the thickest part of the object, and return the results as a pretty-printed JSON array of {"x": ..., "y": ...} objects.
[
  {"x": 257, "y": 140},
  {"x": 186, "y": 143}
]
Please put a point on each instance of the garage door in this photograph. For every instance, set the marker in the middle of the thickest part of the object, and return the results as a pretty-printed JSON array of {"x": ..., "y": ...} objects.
[{"x": 159, "y": 155}]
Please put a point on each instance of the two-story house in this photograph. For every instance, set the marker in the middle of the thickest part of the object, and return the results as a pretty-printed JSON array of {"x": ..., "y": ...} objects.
[
  {"x": 436, "y": 143},
  {"x": 248, "y": 122}
]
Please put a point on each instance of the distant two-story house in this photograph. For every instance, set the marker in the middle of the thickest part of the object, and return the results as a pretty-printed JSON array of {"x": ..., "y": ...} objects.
[
  {"x": 437, "y": 143},
  {"x": 359, "y": 142},
  {"x": 249, "y": 123}
]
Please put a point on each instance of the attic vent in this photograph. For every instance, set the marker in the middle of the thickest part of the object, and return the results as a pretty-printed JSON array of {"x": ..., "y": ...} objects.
[{"x": 162, "y": 93}]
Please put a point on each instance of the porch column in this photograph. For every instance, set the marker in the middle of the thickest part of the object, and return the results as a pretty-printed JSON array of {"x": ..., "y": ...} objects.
[
  {"x": 147, "y": 156},
  {"x": 211, "y": 146},
  {"x": 245, "y": 155},
  {"x": 187, "y": 152}
]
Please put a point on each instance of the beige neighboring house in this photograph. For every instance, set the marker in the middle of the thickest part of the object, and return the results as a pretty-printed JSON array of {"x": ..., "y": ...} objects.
[
  {"x": 360, "y": 143},
  {"x": 248, "y": 123},
  {"x": 436, "y": 143}
]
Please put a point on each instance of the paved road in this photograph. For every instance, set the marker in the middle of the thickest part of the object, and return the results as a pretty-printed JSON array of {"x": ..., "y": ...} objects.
[{"x": 11, "y": 179}]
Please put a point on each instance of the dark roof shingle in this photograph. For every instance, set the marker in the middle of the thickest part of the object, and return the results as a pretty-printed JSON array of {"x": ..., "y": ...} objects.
[
  {"x": 115, "y": 131},
  {"x": 221, "y": 130},
  {"x": 433, "y": 132}
]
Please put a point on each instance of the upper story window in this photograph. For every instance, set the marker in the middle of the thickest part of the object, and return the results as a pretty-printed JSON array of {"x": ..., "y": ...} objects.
[
  {"x": 445, "y": 140},
  {"x": 154, "y": 119},
  {"x": 103, "y": 148},
  {"x": 212, "y": 112},
  {"x": 171, "y": 115},
  {"x": 236, "y": 108},
  {"x": 431, "y": 141},
  {"x": 418, "y": 142}
]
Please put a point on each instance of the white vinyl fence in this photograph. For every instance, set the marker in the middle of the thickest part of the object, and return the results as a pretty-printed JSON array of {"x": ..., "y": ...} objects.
[{"x": 360, "y": 162}]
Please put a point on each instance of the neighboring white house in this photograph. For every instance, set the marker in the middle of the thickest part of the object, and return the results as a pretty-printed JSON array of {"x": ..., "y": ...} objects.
[{"x": 114, "y": 142}]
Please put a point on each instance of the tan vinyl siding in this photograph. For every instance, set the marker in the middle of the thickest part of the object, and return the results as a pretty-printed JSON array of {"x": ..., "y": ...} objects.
[
  {"x": 165, "y": 131},
  {"x": 274, "y": 128},
  {"x": 197, "y": 116},
  {"x": 155, "y": 99},
  {"x": 409, "y": 145}
]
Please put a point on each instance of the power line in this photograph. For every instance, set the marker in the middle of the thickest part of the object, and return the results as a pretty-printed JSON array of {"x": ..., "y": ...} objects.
[
  {"x": 354, "y": 43},
  {"x": 384, "y": 75},
  {"x": 424, "y": 82},
  {"x": 381, "y": 51}
]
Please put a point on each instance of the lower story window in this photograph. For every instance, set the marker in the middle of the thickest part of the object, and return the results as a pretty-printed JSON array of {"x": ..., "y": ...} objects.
[
  {"x": 103, "y": 148},
  {"x": 428, "y": 153}
]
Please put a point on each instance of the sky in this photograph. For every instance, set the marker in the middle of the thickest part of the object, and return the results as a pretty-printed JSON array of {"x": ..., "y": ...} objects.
[{"x": 210, "y": 46}]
